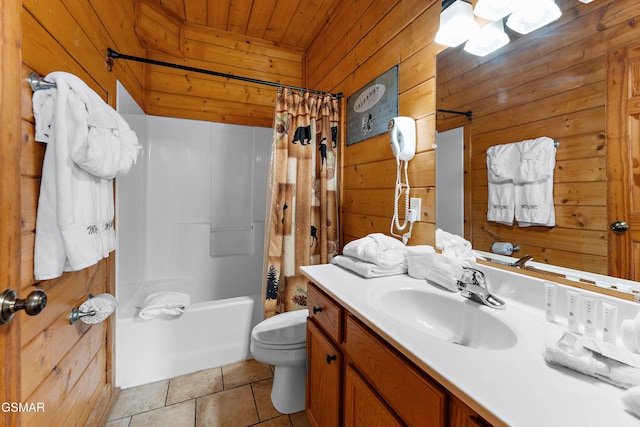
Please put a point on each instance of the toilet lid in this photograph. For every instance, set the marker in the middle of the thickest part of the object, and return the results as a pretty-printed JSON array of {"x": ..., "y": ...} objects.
[{"x": 282, "y": 329}]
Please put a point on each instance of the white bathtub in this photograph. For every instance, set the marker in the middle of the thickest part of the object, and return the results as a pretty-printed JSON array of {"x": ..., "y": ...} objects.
[{"x": 208, "y": 334}]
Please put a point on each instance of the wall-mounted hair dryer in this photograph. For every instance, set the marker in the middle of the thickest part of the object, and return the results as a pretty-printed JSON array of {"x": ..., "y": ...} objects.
[{"x": 402, "y": 136}]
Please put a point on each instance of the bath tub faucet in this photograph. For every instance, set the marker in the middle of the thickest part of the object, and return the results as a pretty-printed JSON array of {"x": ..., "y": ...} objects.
[
  {"x": 473, "y": 285},
  {"x": 522, "y": 261}
]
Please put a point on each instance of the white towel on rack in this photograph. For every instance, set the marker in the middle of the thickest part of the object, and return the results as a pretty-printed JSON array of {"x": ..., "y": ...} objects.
[
  {"x": 502, "y": 161},
  {"x": 74, "y": 224},
  {"x": 534, "y": 183}
]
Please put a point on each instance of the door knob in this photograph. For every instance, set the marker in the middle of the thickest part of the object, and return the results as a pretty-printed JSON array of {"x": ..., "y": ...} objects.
[
  {"x": 35, "y": 302},
  {"x": 619, "y": 226}
]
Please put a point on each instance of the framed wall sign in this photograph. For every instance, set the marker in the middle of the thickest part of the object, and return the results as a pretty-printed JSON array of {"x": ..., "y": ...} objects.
[{"x": 370, "y": 108}]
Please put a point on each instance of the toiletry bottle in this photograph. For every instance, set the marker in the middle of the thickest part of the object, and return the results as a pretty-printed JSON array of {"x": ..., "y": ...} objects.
[
  {"x": 573, "y": 311},
  {"x": 589, "y": 310},
  {"x": 609, "y": 323},
  {"x": 550, "y": 301}
]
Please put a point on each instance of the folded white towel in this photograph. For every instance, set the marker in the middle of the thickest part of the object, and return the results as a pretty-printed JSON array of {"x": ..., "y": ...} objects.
[
  {"x": 367, "y": 269},
  {"x": 533, "y": 190},
  {"x": 502, "y": 163},
  {"x": 445, "y": 272},
  {"x": 419, "y": 260},
  {"x": 379, "y": 249},
  {"x": 164, "y": 303},
  {"x": 568, "y": 351}
]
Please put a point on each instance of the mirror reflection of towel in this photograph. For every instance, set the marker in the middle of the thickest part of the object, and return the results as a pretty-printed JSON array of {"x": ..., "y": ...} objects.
[{"x": 533, "y": 190}]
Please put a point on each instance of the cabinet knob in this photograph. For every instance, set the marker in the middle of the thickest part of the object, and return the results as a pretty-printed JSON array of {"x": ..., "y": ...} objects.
[
  {"x": 331, "y": 358},
  {"x": 316, "y": 310},
  {"x": 619, "y": 226}
]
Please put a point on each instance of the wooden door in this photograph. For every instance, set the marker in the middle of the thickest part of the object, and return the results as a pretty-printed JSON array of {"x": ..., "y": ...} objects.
[
  {"x": 10, "y": 86},
  {"x": 623, "y": 161}
]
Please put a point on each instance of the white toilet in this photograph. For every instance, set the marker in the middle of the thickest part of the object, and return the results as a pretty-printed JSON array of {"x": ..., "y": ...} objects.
[{"x": 281, "y": 341}]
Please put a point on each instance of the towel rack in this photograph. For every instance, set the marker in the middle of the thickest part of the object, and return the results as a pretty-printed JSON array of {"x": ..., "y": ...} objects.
[{"x": 39, "y": 83}]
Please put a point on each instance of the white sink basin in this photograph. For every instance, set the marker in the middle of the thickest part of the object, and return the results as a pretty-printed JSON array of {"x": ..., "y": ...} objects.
[{"x": 460, "y": 322}]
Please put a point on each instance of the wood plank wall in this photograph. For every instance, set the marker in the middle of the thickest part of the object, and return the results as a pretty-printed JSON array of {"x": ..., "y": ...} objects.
[
  {"x": 68, "y": 368},
  {"x": 348, "y": 55},
  {"x": 177, "y": 93},
  {"x": 550, "y": 83}
]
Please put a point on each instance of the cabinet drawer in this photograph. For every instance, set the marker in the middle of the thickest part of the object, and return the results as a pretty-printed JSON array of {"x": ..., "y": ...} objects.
[
  {"x": 325, "y": 312},
  {"x": 415, "y": 399}
]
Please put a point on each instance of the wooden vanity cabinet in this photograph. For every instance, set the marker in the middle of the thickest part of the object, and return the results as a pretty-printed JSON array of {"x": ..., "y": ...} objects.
[{"x": 355, "y": 378}]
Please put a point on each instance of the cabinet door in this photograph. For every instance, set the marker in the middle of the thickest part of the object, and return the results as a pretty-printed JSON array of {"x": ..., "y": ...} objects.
[
  {"x": 324, "y": 379},
  {"x": 362, "y": 406},
  {"x": 460, "y": 415}
]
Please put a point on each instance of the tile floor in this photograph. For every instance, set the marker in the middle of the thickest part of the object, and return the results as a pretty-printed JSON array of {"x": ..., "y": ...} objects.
[{"x": 235, "y": 395}]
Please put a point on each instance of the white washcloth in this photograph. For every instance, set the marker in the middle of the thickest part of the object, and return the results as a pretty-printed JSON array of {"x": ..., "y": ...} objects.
[
  {"x": 164, "y": 303},
  {"x": 378, "y": 249},
  {"x": 502, "y": 163},
  {"x": 367, "y": 269},
  {"x": 445, "y": 272},
  {"x": 74, "y": 225},
  {"x": 533, "y": 190},
  {"x": 455, "y": 247},
  {"x": 568, "y": 351},
  {"x": 419, "y": 260}
]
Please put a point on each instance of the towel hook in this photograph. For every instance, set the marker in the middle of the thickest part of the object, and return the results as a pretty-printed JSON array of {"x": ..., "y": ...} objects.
[
  {"x": 38, "y": 83},
  {"x": 77, "y": 314}
]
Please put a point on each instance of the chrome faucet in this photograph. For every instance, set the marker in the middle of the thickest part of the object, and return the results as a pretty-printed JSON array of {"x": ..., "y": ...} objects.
[
  {"x": 522, "y": 261},
  {"x": 473, "y": 285}
]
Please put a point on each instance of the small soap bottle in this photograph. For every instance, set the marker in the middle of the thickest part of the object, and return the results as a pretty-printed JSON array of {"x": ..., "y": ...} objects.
[
  {"x": 550, "y": 301},
  {"x": 573, "y": 311}
]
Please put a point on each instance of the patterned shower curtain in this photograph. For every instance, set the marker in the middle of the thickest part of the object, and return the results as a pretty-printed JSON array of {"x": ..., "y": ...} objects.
[{"x": 302, "y": 204}]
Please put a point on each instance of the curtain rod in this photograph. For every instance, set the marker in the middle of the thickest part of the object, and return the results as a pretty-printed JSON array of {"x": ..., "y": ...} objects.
[
  {"x": 469, "y": 114},
  {"x": 117, "y": 55}
]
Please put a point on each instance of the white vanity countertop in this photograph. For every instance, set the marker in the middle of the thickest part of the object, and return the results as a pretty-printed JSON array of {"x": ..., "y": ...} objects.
[{"x": 513, "y": 386}]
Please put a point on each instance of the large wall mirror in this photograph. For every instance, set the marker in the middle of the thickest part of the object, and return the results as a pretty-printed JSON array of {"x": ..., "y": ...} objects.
[{"x": 568, "y": 81}]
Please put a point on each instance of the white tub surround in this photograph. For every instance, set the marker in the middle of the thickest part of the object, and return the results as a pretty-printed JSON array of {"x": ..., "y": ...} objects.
[
  {"x": 510, "y": 384},
  {"x": 209, "y": 333}
]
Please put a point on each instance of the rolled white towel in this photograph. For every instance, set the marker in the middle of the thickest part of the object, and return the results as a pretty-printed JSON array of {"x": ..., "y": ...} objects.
[
  {"x": 419, "y": 260},
  {"x": 445, "y": 272},
  {"x": 164, "y": 303}
]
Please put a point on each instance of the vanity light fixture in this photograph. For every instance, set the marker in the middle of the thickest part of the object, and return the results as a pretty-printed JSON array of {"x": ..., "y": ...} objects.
[
  {"x": 492, "y": 10},
  {"x": 457, "y": 23},
  {"x": 586, "y": 1},
  {"x": 532, "y": 15},
  {"x": 489, "y": 38}
]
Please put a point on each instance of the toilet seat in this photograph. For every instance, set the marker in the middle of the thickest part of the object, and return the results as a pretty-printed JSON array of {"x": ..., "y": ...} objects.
[{"x": 283, "y": 331}]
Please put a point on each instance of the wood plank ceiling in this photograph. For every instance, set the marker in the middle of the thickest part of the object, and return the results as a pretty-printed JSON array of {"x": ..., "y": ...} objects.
[{"x": 291, "y": 23}]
